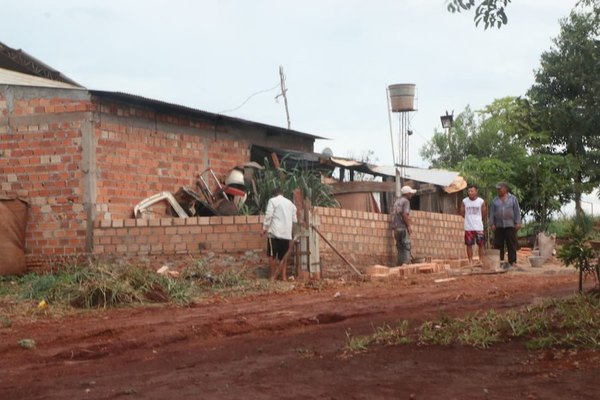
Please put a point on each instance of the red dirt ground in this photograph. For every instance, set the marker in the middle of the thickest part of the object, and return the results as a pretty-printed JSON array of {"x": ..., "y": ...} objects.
[{"x": 291, "y": 346}]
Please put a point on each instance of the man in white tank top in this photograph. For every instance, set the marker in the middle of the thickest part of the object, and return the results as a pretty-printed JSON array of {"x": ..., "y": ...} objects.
[{"x": 474, "y": 210}]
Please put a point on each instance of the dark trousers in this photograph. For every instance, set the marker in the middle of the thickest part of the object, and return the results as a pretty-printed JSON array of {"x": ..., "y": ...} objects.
[{"x": 508, "y": 236}]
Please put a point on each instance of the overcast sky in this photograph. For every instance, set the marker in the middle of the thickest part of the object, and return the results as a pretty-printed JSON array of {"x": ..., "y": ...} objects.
[{"x": 338, "y": 57}]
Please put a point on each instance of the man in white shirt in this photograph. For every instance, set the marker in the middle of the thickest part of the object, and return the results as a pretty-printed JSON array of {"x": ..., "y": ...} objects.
[
  {"x": 474, "y": 210},
  {"x": 278, "y": 224}
]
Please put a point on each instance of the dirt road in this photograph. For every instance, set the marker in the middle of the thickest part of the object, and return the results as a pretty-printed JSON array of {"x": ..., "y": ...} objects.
[{"x": 290, "y": 346}]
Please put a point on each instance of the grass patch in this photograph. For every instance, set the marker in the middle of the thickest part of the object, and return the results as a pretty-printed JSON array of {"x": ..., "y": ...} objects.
[
  {"x": 105, "y": 285},
  {"x": 566, "y": 323},
  {"x": 385, "y": 335}
]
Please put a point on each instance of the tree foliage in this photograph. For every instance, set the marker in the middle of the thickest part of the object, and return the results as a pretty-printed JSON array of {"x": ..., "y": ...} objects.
[
  {"x": 500, "y": 143},
  {"x": 493, "y": 12},
  {"x": 577, "y": 251},
  {"x": 490, "y": 12},
  {"x": 566, "y": 98},
  {"x": 489, "y": 133}
]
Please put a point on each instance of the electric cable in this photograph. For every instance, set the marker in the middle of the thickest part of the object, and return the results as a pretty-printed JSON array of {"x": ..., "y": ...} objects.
[{"x": 249, "y": 97}]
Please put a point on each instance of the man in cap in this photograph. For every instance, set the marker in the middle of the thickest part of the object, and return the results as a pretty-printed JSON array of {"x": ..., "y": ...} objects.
[
  {"x": 401, "y": 224},
  {"x": 505, "y": 221}
]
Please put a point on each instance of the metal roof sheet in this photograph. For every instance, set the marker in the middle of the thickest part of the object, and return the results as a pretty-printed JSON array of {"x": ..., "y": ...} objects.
[
  {"x": 8, "y": 77},
  {"x": 438, "y": 177}
]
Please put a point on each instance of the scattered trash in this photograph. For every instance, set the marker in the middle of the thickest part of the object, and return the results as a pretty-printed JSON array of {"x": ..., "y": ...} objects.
[
  {"x": 444, "y": 280},
  {"x": 42, "y": 305},
  {"x": 165, "y": 270},
  {"x": 337, "y": 294},
  {"x": 162, "y": 270},
  {"x": 27, "y": 343}
]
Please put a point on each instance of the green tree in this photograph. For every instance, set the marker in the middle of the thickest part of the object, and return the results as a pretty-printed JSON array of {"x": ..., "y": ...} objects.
[
  {"x": 543, "y": 181},
  {"x": 489, "y": 133},
  {"x": 447, "y": 149},
  {"x": 502, "y": 143},
  {"x": 490, "y": 12},
  {"x": 566, "y": 99},
  {"x": 578, "y": 251},
  {"x": 486, "y": 173}
]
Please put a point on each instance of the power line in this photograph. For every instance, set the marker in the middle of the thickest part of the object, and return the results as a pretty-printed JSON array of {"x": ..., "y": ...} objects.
[{"x": 249, "y": 97}]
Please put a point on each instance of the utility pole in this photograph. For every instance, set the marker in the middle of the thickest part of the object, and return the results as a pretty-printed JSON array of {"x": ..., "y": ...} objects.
[{"x": 284, "y": 94}]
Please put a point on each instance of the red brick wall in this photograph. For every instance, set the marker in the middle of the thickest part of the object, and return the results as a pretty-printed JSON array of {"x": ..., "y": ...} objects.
[
  {"x": 188, "y": 236},
  {"x": 363, "y": 238},
  {"x": 136, "y": 158},
  {"x": 40, "y": 161},
  {"x": 366, "y": 238}
]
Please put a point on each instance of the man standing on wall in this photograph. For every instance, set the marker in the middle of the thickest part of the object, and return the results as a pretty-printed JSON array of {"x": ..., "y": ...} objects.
[
  {"x": 401, "y": 224},
  {"x": 505, "y": 221},
  {"x": 474, "y": 211},
  {"x": 278, "y": 224}
]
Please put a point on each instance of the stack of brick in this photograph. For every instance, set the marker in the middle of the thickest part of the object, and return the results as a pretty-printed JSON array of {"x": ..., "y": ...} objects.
[{"x": 383, "y": 272}]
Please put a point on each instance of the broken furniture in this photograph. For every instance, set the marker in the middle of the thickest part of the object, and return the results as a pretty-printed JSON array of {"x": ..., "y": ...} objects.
[
  {"x": 191, "y": 202},
  {"x": 221, "y": 197},
  {"x": 143, "y": 205}
]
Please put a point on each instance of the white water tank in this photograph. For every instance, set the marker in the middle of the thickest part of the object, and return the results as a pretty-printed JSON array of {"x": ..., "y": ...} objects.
[{"x": 402, "y": 96}]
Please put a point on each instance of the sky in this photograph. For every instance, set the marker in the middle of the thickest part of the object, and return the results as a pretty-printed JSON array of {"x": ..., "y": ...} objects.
[{"x": 338, "y": 56}]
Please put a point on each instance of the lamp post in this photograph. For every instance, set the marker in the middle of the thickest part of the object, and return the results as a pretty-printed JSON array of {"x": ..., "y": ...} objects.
[{"x": 447, "y": 121}]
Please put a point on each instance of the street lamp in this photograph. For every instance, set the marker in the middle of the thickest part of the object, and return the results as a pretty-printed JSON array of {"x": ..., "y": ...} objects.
[{"x": 447, "y": 120}]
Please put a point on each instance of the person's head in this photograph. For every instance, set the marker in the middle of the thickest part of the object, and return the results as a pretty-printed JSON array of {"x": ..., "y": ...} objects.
[
  {"x": 502, "y": 188},
  {"x": 472, "y": 192},
  {"x": 276, "y": 192},
  {"x": 407, "y": 191}
]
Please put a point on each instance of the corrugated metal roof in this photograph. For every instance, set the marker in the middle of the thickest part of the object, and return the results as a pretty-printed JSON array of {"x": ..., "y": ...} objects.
[
  {"x": 8, "y": 77},
  {"x": 438, "y": 177},
  {"x": 19, "y": 61}
]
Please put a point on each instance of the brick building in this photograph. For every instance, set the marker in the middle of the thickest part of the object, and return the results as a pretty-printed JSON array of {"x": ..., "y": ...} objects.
[{"x": 83, "y": 158}]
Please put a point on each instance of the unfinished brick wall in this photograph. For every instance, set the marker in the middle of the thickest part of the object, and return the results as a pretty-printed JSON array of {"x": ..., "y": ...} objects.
[
  {"x": 363, "y": 238},
  {"x": 40, "y": 161},
  {"x": 366, "y": 238},
  {"x": 185, "y": 236}
]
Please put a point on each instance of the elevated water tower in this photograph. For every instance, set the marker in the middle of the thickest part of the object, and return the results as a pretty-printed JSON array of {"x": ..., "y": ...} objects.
[{"x": 401, "y": 100}]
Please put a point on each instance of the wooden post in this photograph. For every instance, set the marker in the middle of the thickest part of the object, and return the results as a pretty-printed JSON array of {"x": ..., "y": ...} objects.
[{"x": 337, "y": 252}]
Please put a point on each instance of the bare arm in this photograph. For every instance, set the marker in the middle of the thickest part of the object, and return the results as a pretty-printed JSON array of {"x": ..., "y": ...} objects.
[{"x": 406, "y": 219}]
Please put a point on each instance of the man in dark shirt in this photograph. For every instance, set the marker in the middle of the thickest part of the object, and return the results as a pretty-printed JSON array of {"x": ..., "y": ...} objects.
[
  {"x": 401, "y": 225},
  {"x": 505, "y": 221}
]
